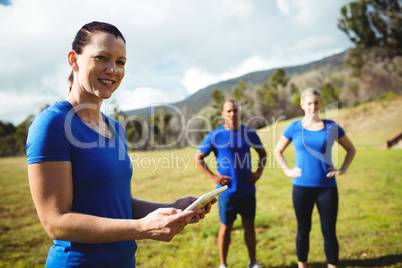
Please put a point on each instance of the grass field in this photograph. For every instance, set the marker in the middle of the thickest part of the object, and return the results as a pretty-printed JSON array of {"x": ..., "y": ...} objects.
[{"x": 369, "y": 220}]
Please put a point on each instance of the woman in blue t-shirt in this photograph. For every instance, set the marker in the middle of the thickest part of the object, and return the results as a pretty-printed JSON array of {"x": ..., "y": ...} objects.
[
  {"x": 79, "y": 170},
  {"x": 314, "y": 174}
]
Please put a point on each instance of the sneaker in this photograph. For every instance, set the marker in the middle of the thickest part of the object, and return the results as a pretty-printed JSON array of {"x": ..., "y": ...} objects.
[
  {"x": 254, "y": 265},
  {"x": 223, "y": 266}
]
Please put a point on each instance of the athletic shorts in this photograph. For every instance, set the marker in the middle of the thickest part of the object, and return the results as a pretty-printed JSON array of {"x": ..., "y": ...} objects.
[{"x": 229, "y": 207}]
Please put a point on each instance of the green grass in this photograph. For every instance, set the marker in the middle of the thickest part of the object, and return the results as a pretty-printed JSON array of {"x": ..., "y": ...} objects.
[
  {"x": 369, "y": 220},
  {"x": 23, "y": 242}
]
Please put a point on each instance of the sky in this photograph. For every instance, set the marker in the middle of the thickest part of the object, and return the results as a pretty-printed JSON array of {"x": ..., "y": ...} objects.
[{"x": 174, "y": 47}]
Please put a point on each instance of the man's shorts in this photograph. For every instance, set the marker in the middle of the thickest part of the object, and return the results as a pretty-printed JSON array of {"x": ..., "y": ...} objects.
[{"x": 229, "y": 207}]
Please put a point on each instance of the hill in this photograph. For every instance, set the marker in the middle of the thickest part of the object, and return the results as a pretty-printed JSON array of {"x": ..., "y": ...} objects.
[
  {"x": 371, "y": 124},
  {"x": 197, "y": 101}
]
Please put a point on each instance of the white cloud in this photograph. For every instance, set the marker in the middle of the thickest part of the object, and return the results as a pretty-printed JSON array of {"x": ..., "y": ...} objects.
[
  {"x": 142, "y": 97},
  {"x": 254, "y": 64},
  {"x": 24, "y": 17},
  {"x": 11, "y": 105},
  {"x": 312, "y": 13},
  {"x": 174, "y": 47},
  {"x": 143, "y": 13},
  {"x": 311, "y": 43},
  {"x": 237, "y": 8},
  {"x": 283, "y": 6},
  {"x": 195, "y": 79}
]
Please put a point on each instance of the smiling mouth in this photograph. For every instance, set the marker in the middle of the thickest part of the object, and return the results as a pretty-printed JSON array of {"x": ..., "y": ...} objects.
[{"x": 106, "y": 81}]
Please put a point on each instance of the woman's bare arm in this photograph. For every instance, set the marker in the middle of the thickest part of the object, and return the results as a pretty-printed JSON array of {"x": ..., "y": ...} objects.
[
  {"x": 280, "y": 159},
  {"x": 350, "y": 154},
  {"x": 52, "y": 192}
]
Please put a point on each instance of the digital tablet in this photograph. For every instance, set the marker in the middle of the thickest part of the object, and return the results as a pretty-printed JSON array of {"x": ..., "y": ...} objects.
[{"x": 204, "y": 199}]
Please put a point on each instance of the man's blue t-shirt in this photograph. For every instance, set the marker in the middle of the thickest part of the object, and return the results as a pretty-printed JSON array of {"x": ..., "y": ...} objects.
[
  {"x": 233, "y": 157},
  {"x": 101, "y": 172},
  {"x": 313, "y": 152}
]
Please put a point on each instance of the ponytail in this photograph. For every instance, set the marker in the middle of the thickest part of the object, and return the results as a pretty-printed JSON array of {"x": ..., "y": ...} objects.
[{"x": 71, "y": 81}]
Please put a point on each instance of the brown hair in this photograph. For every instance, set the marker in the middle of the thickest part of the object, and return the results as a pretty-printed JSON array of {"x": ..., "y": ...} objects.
[{"x": 83, "y": 37}]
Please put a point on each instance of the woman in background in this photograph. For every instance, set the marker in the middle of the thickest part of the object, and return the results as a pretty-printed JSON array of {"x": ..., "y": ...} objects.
[
  {"x": 79, "y": 170},
  {"x": 314, "y": 174}
]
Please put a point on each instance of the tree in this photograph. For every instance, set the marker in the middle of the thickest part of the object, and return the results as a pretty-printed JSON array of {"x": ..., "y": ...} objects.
[
  {"x": 269, "y": 94},
  {"x": 240, "y": 95},
  {"x": 159, "y": 123},
  {"x": 266, "y": 99},
  {"x": 244, "y": 99},
  {"x": 13, "y": 139},
  {"x": 356, "y": 24},
  {"x": 329, "y": 94},
  {"x": 218, "y": 100},
  {"x": 117, "y": 113},
  {"x": 373, "y": 23},
  {"x": 277, "y": 81},
  {"x": 375, "y": 26},
  {"x": 137, "y": 129},
  {"x": 6, "y": 129}
]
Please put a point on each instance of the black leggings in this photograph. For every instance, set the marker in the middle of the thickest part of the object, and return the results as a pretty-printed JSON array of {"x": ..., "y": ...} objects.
[{"x": 326, "y": 199}]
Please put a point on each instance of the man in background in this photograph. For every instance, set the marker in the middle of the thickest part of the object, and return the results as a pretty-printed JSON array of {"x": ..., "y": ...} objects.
[{"x": 231, "y": 143}]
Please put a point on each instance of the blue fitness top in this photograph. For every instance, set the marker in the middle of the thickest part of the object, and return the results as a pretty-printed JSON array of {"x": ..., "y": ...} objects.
[
  {"x": 101, "y": 171},
  {"x": 313, "y": 152},
  {"x": 233, "y": 158}
]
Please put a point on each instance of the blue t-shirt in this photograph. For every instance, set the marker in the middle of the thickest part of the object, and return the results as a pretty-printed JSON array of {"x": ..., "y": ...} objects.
[
  {"x": 313, "y": 152},
  {"x": 233, "y": 158},
  {"x": 101, "y": 173}
]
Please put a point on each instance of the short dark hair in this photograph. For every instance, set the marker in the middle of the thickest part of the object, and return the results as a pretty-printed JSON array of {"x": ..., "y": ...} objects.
[
  {"x": 232, "y": 101},
  {"x": 83, "y": 37}
]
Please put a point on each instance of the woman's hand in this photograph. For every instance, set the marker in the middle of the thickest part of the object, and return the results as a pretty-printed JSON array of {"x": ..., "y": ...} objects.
[
  {"x": 293, "y": 173},
  {"x": 164, "y": 223},
  {"x": 332, "y": 172},
  {"x": 183, "y": 203}
]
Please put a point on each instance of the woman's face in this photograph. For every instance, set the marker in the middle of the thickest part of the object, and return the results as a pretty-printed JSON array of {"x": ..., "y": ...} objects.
[
  {"x": 310, "y": 104},
  {"x": 101, "y": 65}
]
